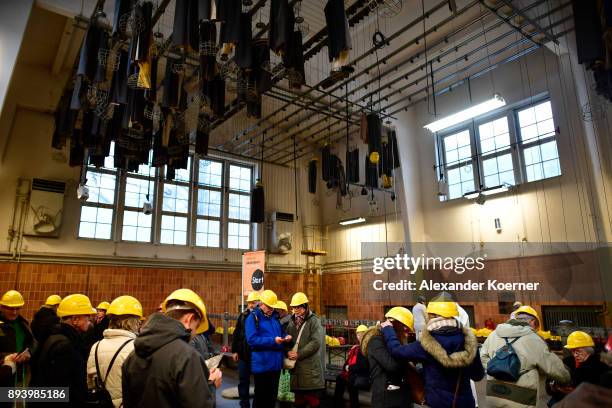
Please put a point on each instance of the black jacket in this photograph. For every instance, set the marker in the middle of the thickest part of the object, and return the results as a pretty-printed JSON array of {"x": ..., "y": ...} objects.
[
  {"x": 45, "y": 321},
  {"x": 590, "y": 371},
  {"x": 61, "y": 362},
  {"x": 7, "y": 336},
  {"x": 164, "y": 370},
  {"x": 239, "y": 342},
  {"x": 385, "y": 372}
]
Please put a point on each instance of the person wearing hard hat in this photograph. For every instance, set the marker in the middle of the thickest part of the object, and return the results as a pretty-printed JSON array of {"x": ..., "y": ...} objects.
[
  {"x": 355, "y": 375},
  {"x": 125, "y": 315},
  {"x": 46, "y": 318},
  {"x": 241, "y": 351},
  {"x": 17, "y": 336},
  {"x": 283, "y": 314},
  {"x": 307, "y": 377},
  {"x": 52, "y": 302},
  {"x": 266, "y": 340},
  {"x": 164, "y": 371},
  {"x": 60, "y": 360},
  {"x": 584, "y": 365},
  {"x": 449, "y": 354},
  {"x": 537, "y": 362},
  {"x": 101, "y": 322},
  {"x": 515, "y": 307}
]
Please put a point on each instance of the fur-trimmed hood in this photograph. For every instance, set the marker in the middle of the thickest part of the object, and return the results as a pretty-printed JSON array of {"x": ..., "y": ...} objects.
[
  {"x": 458, "y": 359},
  {"x": 367, "y": 336}
]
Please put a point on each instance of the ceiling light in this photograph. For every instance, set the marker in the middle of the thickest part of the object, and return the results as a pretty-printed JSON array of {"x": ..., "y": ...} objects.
[
  {"x": 472, "y": 195},
  {"x": 350, "y": 221},
  {"x": 469, "y": 113},
  {"x": 495, "y": 190}
]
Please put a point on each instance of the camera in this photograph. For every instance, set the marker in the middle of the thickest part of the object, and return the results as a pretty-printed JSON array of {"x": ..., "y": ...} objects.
[{"x": 82, "y": 193}]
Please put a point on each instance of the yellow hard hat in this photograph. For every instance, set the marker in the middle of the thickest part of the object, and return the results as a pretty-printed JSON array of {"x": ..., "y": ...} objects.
[
  {"x": 269, "y": 298},
  {"x": 103, "y": 306},
  {"x": 528, "y": 310},
  {"x": 403, "y": 315},
  {"x": 281, "y": 305},
  {"x": 189, "y": 296},
  {"x": 75, "y": 305},
  {"x": 579, "y": 339},
  {"x": 444, "y": 309},
  {"x": 253, "y": 297},
  {"x": 361, "y": 328},
  {"x": 125, "y": 305},
  {"x": 298, "y": 299},
  {"x": 12, "y": 298},
  {"x": 53, "y": 300}
]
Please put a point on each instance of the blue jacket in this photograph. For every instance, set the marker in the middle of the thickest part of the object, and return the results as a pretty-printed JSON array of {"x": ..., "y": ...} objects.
[
  {"x": 443, "y": 370},
  {"x": 260, "y": 331}
]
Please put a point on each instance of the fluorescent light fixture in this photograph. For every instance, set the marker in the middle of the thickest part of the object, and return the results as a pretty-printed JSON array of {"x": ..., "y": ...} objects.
[
  {"x": 469, "y": 113},
  {"x": 350, "y": 221},
  {"x": 495, "y": 190},
  {"x": 471, "y": 195}
]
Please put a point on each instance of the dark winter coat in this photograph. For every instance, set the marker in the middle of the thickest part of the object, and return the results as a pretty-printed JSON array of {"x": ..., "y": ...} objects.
[
  {"x": 8, "y": 343},
  {"x": 202, "y": 345},
  {"x": 385, "y": 371},
  {"x": 260, "y": 331},
  {"x": 45, "y": 321},
  {"x": 308, "y": 371},
  {"x": 61, "y": 362},
  {"x": 164, "y": 370},
  {"x": 449, "y": 357},
  {"x": 590, "y": 371},
  {"x": 239, "y": 341}
]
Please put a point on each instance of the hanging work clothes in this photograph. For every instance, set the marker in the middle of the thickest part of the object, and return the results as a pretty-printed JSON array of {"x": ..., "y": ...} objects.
[
  {"x": 230, "y": 27},
  {"x": 134, "y": 111},
  {"x": 96, "y": 39},
  {"x": 123, "y": 8},
  {"x": 244, "y": 48},
  {"x": 114, "y": 129},
  {"x": 118, "y": 89},
  {"x": 326, "y": 163},
  {"x": 215, "y": 91},
  {"x": 312, "y": 176},
  {"x": 151, "y": 93},
  {"x": 374, "y": 133},
  {"x": 185, "y": 34},
  {"x": 281, "y": 25},
  {"x": 141, "y": 38},
  {"x": 363, "y": 127},
  {"x": 294, "y": 62},
  {"x": 76, "y": 149},
  {"x": 371, "y": 174},
  {"x": 173, "y": 82},
  {"x": 334, "y": 171},
  {"x": 258, "y": 204},
  {"x": 352, "y": 166},
  {"x": 589, "y": 43},
  {"x": 103, "y": 47},
  {"x": 208, "y": 38},
  {"x": 338, "y": 35},
  {"x": 207, "y": 10},
  {"x": 201, "y": 146},
  {"x": 261, "y": 57},
  {"x": 65, "y": 119}
]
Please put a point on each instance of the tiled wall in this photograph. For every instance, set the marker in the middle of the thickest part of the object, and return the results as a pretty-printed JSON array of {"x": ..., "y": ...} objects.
[{"x": 219, "y": 290}]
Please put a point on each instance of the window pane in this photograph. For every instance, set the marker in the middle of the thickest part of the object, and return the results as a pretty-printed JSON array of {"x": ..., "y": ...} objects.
[
  {"x": 173, "y": 230},
  {"x": 457, "y": 147},
  {"x": 536, "y": 122},
  {"x": 136, "y": 226},
  {"x": 176, "y": 198},
  {"x": 207, "y": 233},
  {"x": 210, "y": 173},
  {"x": 136, "y": 191},
  {"x": 146, "y": 169},
  {"x": 494, "y": 136},
  {"x": 101, "y": 187},
  {"x": 542, "y": 161},
  {"x": 183, "y": 175},
  {"x": 460, "y": 181},
  {"x": 493, "y": 169},
  {"x": 238, "y": 235},
  {"x": 240, "y": 178},
  {"x": 95, "y": 222},
  {"x": 209, "y": 203},
  {"x": 239, "y": 207}
]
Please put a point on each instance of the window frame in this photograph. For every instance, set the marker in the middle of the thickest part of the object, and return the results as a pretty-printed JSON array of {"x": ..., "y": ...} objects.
[
  {"x": 200, "y": 186},
  {"x": 227, "y": 219},
  {"x": 122, "y": 207},
  {"x": 160, "y": 212},
  {"x": 113, "y": 207},
  {"x": 517, "y": 146}
]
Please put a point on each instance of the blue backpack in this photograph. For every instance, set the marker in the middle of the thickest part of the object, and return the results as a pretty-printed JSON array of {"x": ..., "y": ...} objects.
[{"x": 505, "y": 365}]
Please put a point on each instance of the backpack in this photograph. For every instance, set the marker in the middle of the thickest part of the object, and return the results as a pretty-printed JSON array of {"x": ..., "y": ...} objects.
[
  {"x": 505, "y": 365},
  {"x": 99, "y": 395}
]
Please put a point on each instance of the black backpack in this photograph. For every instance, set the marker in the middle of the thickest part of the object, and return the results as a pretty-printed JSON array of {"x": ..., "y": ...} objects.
[
  {"x": 505, "y": 365},
  {"x": 99, "y": 395}
]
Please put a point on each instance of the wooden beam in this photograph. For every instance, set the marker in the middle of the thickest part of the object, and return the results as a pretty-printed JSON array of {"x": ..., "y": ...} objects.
[{"x": 62, "y": 49}]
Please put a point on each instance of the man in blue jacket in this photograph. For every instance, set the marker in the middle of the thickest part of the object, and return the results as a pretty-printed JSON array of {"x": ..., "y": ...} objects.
[
  {"x": 449, "y": 354},
  {"x": 266, "y": 340}
]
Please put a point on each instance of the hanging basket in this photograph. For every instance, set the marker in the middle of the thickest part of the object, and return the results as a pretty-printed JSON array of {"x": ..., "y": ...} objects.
[
  {"x": 109, "y": 59},
  {"x": 130, "y": 23},
  {"x": 229, "y": 70},
  {"x": 209, "y": 48},
  {"x": 276, "y": 69},
  {"x": 386, "y": 8}
]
